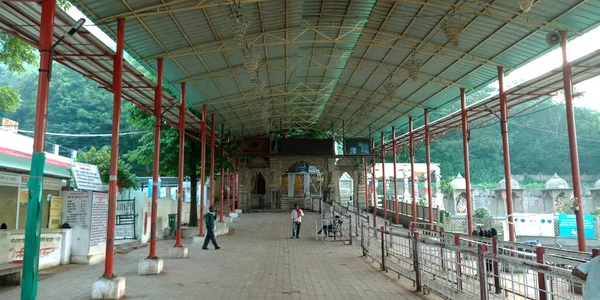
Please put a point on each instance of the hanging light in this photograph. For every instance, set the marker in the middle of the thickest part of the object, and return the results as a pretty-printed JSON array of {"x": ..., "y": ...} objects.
[
  {"x": 412, "y": 67},
  {"x": 390, "y": 89},
  {"x": 239, "y": 23},
  {"x": 258, "y": 85},
  {"x": 525, "y": 5},
  {"x": 251, "y": 62},
  {"x": 452, "y": 28}
]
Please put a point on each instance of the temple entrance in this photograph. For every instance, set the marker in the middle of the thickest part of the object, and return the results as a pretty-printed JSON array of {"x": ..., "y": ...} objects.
[
  {"x": 346, "y": 189},
  {"x": 301, "y": 184},
  {"x": 259, "y": 189}
]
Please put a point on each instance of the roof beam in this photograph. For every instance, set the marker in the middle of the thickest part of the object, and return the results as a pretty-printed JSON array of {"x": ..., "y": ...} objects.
[
  {"x": 353, "y": 61},
  {"x": 381, "y": 39},
  {"x": 164, "y": 8},
  {"x": 495, "y": 11}
]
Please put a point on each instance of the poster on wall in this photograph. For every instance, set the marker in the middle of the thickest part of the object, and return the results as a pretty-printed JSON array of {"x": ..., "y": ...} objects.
[
  {"x": 74, "y": 209},
  {"x": 98, "y": 219},
  {"x": 567, "y": 225},
  {"x": 534, "y": 225},
  {"x": 49, "y": 249},
  {"x": 87, "y": 177},
  {"x": 10, "y": 125},
  {"x": 54, "y": 221}
]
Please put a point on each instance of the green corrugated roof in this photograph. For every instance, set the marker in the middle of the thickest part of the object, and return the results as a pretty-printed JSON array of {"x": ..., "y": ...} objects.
[{"x": 24, "y": 164}]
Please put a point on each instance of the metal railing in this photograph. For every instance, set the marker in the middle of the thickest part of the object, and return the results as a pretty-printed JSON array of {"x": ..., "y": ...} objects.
[{"x": 460, "y": 266}]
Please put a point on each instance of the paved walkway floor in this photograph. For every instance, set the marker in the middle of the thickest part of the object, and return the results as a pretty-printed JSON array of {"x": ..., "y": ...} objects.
[{"x": 257, "y": 261}]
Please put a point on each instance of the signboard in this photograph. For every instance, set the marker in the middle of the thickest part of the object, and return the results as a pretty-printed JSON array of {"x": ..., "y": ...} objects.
[
  {"x": 23, "y": 196},
  {"x": 49, "y": 184},
  {"x": 75, "y": 204},
  {"x": 303, "y": 169},
  {"x": 567, "y": 225},
  {"x": 10, "y": 125},
  {"x": 49, "y": 248},
  {"x": 98, "y": 219},
  {"x": 87, "y": 177},
  {"x": 534, "y": 225},
  {"x": 55, "y": 212},
  {"x": 150, "y": 188},
  {"x": 7, "y": 179}
]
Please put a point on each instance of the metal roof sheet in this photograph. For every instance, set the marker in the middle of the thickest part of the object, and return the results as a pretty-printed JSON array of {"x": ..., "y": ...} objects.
[{"x": 326, "y": 61}]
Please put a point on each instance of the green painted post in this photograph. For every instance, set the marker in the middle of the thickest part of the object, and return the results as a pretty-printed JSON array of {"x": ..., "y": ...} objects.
[{"x": 33, "y": 227}]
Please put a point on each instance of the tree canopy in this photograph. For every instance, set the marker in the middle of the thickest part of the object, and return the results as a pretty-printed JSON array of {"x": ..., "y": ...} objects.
[{"x": 101, "y": 158}]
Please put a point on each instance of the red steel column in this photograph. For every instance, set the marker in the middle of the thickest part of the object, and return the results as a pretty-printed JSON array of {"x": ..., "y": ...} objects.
[
  {"x": 465, "y": 133},
  {"x": 428, "y": 160},
  {"x": 33, "y": 230},
  {"x": 156, "y": 162},
  {"x": 228, "y": 189},
  {"x": 114, "y": 150},
  {"x": 239, "y": 179},
  {"x": 203, "y": 174},
  {"x": 212, "y": 160},
  {"x": 395, "y": 175},
  {"x": 568, "y": 88},
  {"x": 383, "y": 175},
  {"x": 413, "y": 188},
  {"x": 366, "y": 185},
  {"x": 222, "y": 175},
  {"x": 180, "y": 191},
  {"x": 374, "y": 181},
  {"x": 506, "y": 152}
]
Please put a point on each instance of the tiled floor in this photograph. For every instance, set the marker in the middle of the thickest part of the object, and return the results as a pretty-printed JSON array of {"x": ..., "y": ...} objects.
[{"x": 257, "y": 261}]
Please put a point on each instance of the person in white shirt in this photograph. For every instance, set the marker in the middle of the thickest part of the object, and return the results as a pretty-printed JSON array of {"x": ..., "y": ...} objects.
[
  {"x": 590, "y": 272},
  {"x": 297, "y": 214}
]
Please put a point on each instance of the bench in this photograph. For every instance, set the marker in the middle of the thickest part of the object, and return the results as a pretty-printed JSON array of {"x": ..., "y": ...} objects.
[{"x": 10, "y": 274}]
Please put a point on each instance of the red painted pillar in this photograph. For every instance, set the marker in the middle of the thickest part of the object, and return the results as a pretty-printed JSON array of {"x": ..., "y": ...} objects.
[
  {"x": 465, "y": 137},
  {"x": 180, "y": 190},
  {"x": 203, "y": 174},
  {"x": 239, "y": 179},
  {"x": 114, "y": 153},
  {"x": 568, "y": 88},
  {"x": 428, "y": 161},
  {"x": 506, "y": 152},
  {"x": 366, "y": 184},
  {"x": 412, "y": 170},
  {"x": 395, "y": 175},
  {"x": 374, "y": 181},
  {"x": 384, "y": 180},
  {"x": 222, "y": 174},
  {"x": 35, "y": 184},
  {"x": 156, "y": 162},
  {"x": 212, "y": 160},
  {"x": 228, "y": 188}
]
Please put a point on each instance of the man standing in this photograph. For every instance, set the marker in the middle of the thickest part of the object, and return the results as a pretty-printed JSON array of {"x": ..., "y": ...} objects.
[
  {"x": 296, "y": 221},
  {"x": 209, "y": 221},
  {"x": 590, "y": 272}
]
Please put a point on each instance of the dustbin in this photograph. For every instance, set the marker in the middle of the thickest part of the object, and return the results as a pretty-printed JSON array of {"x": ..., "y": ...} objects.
[{"x": 172, "y": 222}]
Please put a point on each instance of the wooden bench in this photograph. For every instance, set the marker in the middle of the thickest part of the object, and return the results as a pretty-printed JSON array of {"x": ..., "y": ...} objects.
[{"x": 10, "y": 274}]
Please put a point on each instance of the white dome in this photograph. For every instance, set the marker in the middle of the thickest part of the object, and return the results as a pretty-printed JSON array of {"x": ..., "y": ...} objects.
[
  {"x": 514, "y": 184},
  {"x": 556, "y": 183},
  {"x": 459, "y": 183},
  {"x": 597, "y": 185}
]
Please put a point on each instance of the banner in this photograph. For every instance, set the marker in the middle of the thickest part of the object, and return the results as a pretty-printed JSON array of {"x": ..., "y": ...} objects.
[
  {"x": 567, "y": 225},
  {"x": 87, "y": 177},
  {"x": 55, "y": 212}
]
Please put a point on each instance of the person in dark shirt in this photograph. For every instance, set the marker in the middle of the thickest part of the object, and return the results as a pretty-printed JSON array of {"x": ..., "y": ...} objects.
[{"x": 209, "y": 221}]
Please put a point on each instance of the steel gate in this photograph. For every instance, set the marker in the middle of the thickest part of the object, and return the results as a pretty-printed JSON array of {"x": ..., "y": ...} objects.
[{"x": 125, "y": 223}]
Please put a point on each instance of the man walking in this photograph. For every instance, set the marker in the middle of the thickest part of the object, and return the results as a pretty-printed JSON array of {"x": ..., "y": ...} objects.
[
  {"x": 296, "y": 221},
  {"x": 209, "y": 221}
]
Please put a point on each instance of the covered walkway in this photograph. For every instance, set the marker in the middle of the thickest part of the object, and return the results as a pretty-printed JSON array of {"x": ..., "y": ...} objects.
[{"x": 257, "y": 261}]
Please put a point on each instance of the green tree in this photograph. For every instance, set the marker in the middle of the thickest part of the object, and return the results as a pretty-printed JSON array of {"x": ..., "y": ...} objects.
[
  {"x": 9, "y": 99},
  {"x": 482, "y": 213},
  {"x": 169, "y": 153},
  {"x": 101, "y": 158}
]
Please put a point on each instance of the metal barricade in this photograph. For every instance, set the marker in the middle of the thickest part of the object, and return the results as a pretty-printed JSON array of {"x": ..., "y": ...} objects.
[{"x": 337, "y": 229}]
